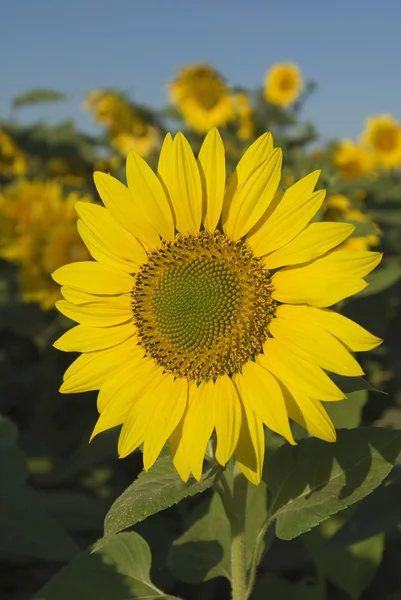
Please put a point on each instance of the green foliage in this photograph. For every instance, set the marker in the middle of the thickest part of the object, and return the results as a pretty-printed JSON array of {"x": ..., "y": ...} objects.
[
  {"x": 304, "y": 491},
  {"x": 27, "y": 529},
  {"x": 117, "y": 571},
  {"x": 152, "y": 492},
  {"x": 38, "y": 96},
  {"x": 203, "y": 551}
]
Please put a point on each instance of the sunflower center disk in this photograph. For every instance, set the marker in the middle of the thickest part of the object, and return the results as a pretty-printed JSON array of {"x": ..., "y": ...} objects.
[{"x": 202, "y": 305}]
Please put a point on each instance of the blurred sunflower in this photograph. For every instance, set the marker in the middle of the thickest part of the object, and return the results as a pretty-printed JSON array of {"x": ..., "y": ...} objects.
[
  {"x": 105, "y": 107},
  {"x": 129, "y": 127},
  {"x": 283, "y": 84},
  {"x": 207, "y": 307},
  {"x": 202, "y": 97},
  {"x": 383, "y": 136},
  {"x": 141, "y": 137},
  {"x": 246, "y": 124},
  {"x": 352, "y": 160},
  {"x": 337, "y": 207},
  {"x": 12, "y": 160},
  {"x": 38, "y": 231}
]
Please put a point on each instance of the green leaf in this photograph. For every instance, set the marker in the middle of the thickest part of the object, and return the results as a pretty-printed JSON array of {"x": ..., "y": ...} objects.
[
  {"x": 120, "y": 570},
  {"x": 271, "y": 586},
  {"x": 350, "y": 568},
  {"x": 377, "y": 513},
  {"x": 314, "y": 480},
  {"x": 26, "y": 527},
  {"x": 203, "y": 551},
  {"x": 353, "y": 384},
  {"x": 347, "y": 414},
  {"x": 153, "y": 491},
  {"x": 36, "y": 96}
]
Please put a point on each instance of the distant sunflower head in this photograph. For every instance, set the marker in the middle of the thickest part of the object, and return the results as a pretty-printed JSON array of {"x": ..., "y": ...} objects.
[
  {"x": 12, "y": 160},
  {"x": 283, "y": 84},
  {"x": 352, "y": 160},
  {"x": 383, "y": 136},
  {"x": 202, "y": 97},
  {"x": 205, "y": 311},
  {"x": 38, "y": 231}
]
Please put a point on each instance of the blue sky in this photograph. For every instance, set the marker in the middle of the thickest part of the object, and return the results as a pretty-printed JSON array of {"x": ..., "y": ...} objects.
[{"x": 352, "y": 49}]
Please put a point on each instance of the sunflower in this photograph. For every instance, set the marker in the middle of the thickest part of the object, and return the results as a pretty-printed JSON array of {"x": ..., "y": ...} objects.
[
  {"x": 337, "y": 207},
  {"x": 383, "y": 135},
  {"x": 207, "y": 307},
  {"x": 283, "y": 84},
  {"x": 246, "y": 125},
  {"x": 12, "y": 160},
  {"x": 202, "y": 97},
  {"x": 129, "y": 128},
  {"x": 142, "y": 137},
  {"x": 352, "y": 160},
  {"x": 38, "y": 231}
]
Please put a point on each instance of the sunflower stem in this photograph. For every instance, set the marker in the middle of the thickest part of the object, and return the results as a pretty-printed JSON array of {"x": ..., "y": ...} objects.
[{"x": 238, "y": 552}]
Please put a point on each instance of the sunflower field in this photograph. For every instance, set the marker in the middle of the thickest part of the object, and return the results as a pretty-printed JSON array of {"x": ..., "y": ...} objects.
[{"x": 200, "y": 355}]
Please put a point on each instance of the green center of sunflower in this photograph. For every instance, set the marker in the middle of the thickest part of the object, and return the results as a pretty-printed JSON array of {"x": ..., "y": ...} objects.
[{"x": 202, "y": 305}]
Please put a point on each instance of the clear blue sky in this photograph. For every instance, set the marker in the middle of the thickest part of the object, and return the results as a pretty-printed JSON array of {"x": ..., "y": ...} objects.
[{"x": 351, "y": 48}]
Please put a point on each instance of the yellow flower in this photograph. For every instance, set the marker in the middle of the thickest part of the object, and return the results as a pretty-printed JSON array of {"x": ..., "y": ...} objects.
[
  {"x": 38, "y": 231},
  {"x": 127, "y": 125},
  {"x": 202, "y": 97},
  {"x": 352, "y": 160},
  {"x": 283, "y": 84},
  {"x": 383, "y": 135},
  {"x": 12, "y": 161},
  {"x": 107, "y": 108},
  {"x": 207, "y": 308},
  {"x": 246, "y": 125},
  {"x": 337, "y": 208},
  {"x": 142, "y": 138}
]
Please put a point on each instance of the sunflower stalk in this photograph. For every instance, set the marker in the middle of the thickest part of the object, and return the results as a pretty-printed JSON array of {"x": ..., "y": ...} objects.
[{"x": 236, "y": 513}]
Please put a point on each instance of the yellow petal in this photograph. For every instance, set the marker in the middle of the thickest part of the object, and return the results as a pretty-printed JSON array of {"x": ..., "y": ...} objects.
[
  {"x": 355, "y": 337},
  {"x": 327, "y": 280},
  {"x": 163, "y": 167},
  {"x": 98, "y": 314},
  {"x": 184, "y": 186},
  {"x": 286, "y": 222},
  {"x": 293, "y": 286},
  {"x": 108, "y": 240},
  {"x": 250, "y": 450},
  {"x": 263, "y": 394},
  {"x": 198, "y": 425},
  {"x": 146, "y": 188},
  {"x": 78, "y": 297},
  {"x": 88, "y": 339},
  {"x": 170, "y": 409},
  {"x": 129, "y": 214},
  {"x": 347, "y": 263},
  {"x": 142, "y": 411},
  {"x": 134, "y": 375},
  {"x": 126, "y": 391},
  {"x": 227, "y": 416},
  {"x": 94, "y": 278},
  {"x": 315, "y": 240},
  {"x": 257, "y": 153},
  {"x": 212, "y": 167},
  {"x": 177, "y": 451},
  {"x": 89, "y": 371},
  {"x": 298, "y": 374},
  {"x": 310, "y": 414},
  {"x": 251, "y": 199},
  {"x": 315, "y": 345}
]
